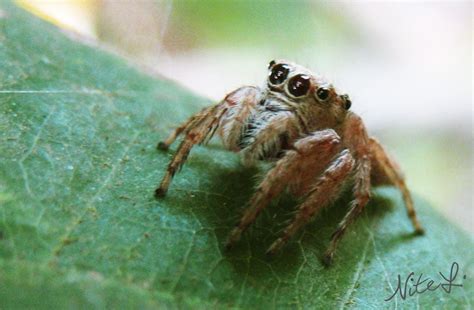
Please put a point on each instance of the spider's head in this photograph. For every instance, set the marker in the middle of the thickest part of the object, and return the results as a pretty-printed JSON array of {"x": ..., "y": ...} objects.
[{"x": 299, "y": 88}]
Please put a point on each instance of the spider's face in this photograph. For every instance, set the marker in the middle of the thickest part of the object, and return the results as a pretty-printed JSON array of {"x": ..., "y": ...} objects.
[{"x": 298, "y": 88}]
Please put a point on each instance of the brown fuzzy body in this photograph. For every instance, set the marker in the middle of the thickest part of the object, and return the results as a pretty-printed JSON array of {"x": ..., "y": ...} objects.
[{"x": 303, "y": 125}]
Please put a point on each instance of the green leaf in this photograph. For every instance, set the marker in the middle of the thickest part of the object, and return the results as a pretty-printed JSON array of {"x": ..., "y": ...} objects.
[{"x": 79, "y": 226}]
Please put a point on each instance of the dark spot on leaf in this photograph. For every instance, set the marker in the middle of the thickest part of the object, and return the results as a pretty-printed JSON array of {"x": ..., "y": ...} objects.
[{"x": 68, "y": 241}]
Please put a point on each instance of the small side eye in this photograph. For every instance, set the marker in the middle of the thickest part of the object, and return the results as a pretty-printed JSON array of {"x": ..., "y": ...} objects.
[
  {"x": 271, "y": 64},
  {"x": 279, "y": 74},
  {"x": 322, "y": 94},
  {"x": 299, "y": 85},
  {"x": 347, "y": 102}
]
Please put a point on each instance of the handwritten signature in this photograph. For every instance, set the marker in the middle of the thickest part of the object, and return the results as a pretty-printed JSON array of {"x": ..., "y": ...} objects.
[{"x": 413, "y": 285}]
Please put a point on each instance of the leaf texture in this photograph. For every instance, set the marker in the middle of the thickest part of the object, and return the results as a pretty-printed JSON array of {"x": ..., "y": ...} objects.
[{"x": 79, "y": 226}]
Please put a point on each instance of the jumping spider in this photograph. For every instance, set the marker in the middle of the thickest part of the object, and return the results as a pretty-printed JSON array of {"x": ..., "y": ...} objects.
[{"x": 300, "y": 123}]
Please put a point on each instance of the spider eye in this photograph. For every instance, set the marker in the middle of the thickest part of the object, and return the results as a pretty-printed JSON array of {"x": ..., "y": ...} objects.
[
  {"x": 271, "y": 64},
  {"x": 322, "y": 94},
  {"x": 347, "y": 102},
  {"x": 299, "y": 85},
  {"x": 279, "y": 74}
]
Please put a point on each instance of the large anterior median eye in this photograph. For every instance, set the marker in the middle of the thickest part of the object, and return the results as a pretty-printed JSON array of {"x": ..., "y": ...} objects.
[
  {"x": 299, "y": 85},
  {"x": 279, "y": 74}
]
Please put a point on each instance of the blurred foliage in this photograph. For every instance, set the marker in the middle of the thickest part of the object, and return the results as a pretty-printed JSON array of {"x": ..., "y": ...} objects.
[{"x": 287, "y": 24}]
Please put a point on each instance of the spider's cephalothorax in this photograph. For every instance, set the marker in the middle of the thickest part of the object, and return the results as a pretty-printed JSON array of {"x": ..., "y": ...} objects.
[
  {"x": 298, "y": 121},
  {"x": 292, "y": 94}
]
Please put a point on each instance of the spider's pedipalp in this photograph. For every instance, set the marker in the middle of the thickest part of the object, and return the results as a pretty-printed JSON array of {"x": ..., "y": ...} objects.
[
  {"x": 305, "y": 162},
  {"x": 241, "y": 105},
  {"x": 269, "y": 138}
]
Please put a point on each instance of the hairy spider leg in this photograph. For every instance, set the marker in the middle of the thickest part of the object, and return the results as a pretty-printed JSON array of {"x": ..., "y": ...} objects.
[
  {"x": 357, "y": 140},
  {"x": 386, "y": 171},
  {"x": 306, "y": 161},
  {"x": 326, "y": 189},
  {"x": 201, "y": 127},
  {"x": 361, "y": 198},
  {"x": 164, "y": 145}
]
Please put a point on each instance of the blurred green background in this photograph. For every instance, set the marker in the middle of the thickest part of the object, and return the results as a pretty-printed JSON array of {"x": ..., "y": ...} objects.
[{"x": 406, "y": 65}]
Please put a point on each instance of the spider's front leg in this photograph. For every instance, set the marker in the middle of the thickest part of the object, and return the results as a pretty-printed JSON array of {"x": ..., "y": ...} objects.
[
  {"x": 357, "y": 141},
  {"x": 325, "y": 190},
  {"x": 298, "y": 168},
  {"x": 199, "y": 128}
]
